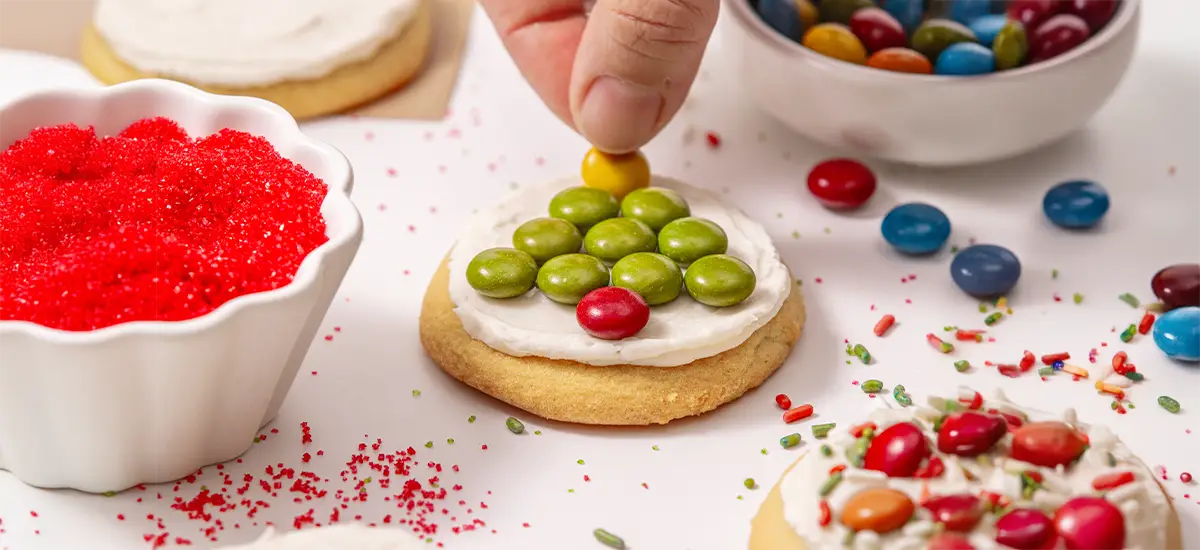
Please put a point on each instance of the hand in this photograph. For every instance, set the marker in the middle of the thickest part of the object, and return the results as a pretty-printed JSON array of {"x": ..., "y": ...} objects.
[{"x": 618, "y": 74}]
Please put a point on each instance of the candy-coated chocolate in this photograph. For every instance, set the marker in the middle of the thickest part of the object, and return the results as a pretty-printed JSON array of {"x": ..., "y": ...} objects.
[
  {"x": 841, "y": 184},
  {"x": 1056, "y": 36},
  {"x": 656, "y": 207},
  {"x": 900, "y": 60},
  {"x": 1096, "y": 13},
  {"x": 935, "y": 35},
  {"x": 1032, "y": 13},
  {"x": 877, "y": 29},
  {"x": 1090, "y": 523},
  {"x": 897, "y": 451},
  {"x": 916, "y": 228},
  {"x": 1178, "y": 285},
  {"x": 613, "y": 239},
  {"x": 969, "y": 433},
  {"x": 568, "y": 278},
  {"x": 836, "y": 41},
  {"x": 1075, "y": 204},
  {"x": 584, "y": 206},
  {"x": 719, "y": 280},
  {"x": 1011, "y": 46},
  {"x": 783, "y": 16},
  {"x": 1048, "y": 444},
  {"x": 1177, "y": 333},
  {"x": 987, "y": 27},
  {"x": 808, "y": 13},
  {"x": 612, "y": 313},
  {"x": 655, "y": 277},
  {"x": 949, "y": 541},
  {"x": 965, "y": 59},
  {"x": 502, "y": 272},
  {"x": 967, "y": 11},
  {"x": 1026, "y": 529},
  {"x": 840, "y": 11},
  {"x": 960, "y": 513},
  {"x": 545, "y": 238},
  {"x": 688, "y": 239},
  {"x": 877, "y": 509},
  {"x": 617, "y": 174},
  {"x": 985, "y": 270},
  {"x": 909, "y": 13}
]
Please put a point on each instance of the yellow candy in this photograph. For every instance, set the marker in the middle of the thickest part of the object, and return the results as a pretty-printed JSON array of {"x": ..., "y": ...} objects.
[
  {"x": 808, "y": 13},
  {"x": 617, "y": 174},
  {"x": 836, "y": 41}
]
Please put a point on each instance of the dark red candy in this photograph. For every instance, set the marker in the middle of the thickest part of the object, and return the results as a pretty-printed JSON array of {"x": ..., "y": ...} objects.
[
  {"x": 1090, "y": 523},
  {"x": 956, "y": 512},
  {"x": 1094, "y": 12},
  {"x": 949, "y": 541},
  {"x": 1026, "y": 529},
  {"x": 969, "y": 433},
  {"x": 841, "y": 184},
  {"x": 1032, "y": 13},
  {"x": 1058, "y": 35},
  {"x": 1177, "y": 286},
  {"x": 877, "y": 29},
  {"x": 612, "y": 313},
  {"x": 897, "y": 451},
  {"x": 1047, "y": 444}
]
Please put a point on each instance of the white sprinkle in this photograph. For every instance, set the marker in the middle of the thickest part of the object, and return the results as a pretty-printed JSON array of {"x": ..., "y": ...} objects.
[{"x": 920, "y": 528}]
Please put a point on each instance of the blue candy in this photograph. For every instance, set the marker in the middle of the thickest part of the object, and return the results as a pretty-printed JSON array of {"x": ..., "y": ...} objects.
[
  {"x": 965, "y": 59},
  {"x": 985, "y": 270},
  {"x": 909, "y": 13},
  {"x": 967, "y": 11},
  {"x": 1075, "y": 204},
  {"x": 1177, "y": 333},
  {"x": 916, "y": 228},
  {"x": 987, "y": 27},
  {"x": 782, "y": 16}
]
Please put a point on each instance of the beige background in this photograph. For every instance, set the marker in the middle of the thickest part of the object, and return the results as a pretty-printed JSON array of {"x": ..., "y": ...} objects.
[{"x": 54, "y": 26}]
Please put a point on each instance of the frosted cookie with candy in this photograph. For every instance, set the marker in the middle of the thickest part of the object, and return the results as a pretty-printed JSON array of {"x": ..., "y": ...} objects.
[
  {"x": 620, "y": 298},
  {"x": 965, "y": 474},
  {"x": 341, "y": 537},
  {"x": 312, "y": 57}
]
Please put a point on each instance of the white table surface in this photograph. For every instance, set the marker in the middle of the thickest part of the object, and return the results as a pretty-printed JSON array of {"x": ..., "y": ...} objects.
[{"x": 418, "y": 182}]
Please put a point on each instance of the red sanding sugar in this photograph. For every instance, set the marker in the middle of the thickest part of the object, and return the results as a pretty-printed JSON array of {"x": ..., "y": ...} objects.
[{"x": 148, "y": 224}]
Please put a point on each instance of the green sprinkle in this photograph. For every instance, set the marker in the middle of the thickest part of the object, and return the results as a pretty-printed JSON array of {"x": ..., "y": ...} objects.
[
  {"x": 1135, "y": 376},
  {"x": 1053, "y": 273},
  {"x": 1156, "y": 307},
  {"x": 954, "y": 249},
  {"x": 1130, "y": 404},
  {"x": 515, "y": 426},
  {"x": 471, "y": 419},
  {"x": 739, "y": 497},
  {"x": 416, "y": 393},
  {"x": 537, "y": 432},
  {"x": 937, "y": 423},
  {"x": 654, "y": 447},
  {"x": 579, "y": 462},
  {"x": 962, "y": 365},
  {"x": 109, "y": 494},
  {"x": 1112, "y": 460},
  {"x": 993, "y": 318},
  {"x": 1168, "y": 403},
  {"x": 1046, "y": 371},
  {"x": 947, "y": 329},
  {"x": 570, "y": 490},
  {"x": 449, "y": 440},
  {"x": 831, "y": 484},
  {"x": 828, "y": 230},
  {"x": 749, "y": 483},
  {"x": 608, "y": 539},
  {"x": 863, "y": 355},
  {"x": 366, "y": 481},
  {"x": 983, "y": 307},
  {"x": 826, "y": 451},
  {"x": 428, "y": 444},
  {"x": 1114, "y": 405},
  {"x": 856, "y": 451},
  {"x": 791, "y": 440},
  {"x": 1127, "y": 334},
  {"x": 872, "y": 386},
  {"x": 258, "y": 439},
  {"x": 1078, "y": 298},
  {"x": 901, "y": 397},
  {"x": 848, "y": 540},
  {"x": 763, "y": 451},
  {"x": 1129, "y": 299},
  {"x": 821, "y": 431}
]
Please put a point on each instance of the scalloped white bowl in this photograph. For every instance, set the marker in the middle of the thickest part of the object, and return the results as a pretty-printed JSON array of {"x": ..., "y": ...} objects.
[{"x": 152, "y": 401}]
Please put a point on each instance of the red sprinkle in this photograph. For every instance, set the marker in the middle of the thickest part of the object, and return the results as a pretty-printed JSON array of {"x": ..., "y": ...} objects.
[
  {"x": 884, "y": 324},
  {"x": 968, "y": 335},
  {"x": 934, "y": 468},
  {"x": 836, "y": 469},
  {"x": 798, "y": 413},
  {"x": 783, "y": 401},
  {"x": 1027, "y": 361},
  {"x": 975, "y": 403},
  {"x": 1051, "y": 358},
  {"x": 713, "y": 139},
  {"x": 1146, "y": 323},
  {"x": 1011, "y": 371},
  {"x": 826, "y": 514},
  {"x": 1185, "y": 477},
  {"x": 1118, "y": 362},
  {"x": 858, "y": 430},
  {"x": 1112, "y": 481}
]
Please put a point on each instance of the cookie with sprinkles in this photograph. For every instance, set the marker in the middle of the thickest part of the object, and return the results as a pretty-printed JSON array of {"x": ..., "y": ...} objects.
[{"x": 967, "y": 473}]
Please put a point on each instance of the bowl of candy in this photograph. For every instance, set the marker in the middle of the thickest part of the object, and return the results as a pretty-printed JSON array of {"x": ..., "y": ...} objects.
[
  {"x": 166, "y": 258},
  {"x": 936, "y": 83}
]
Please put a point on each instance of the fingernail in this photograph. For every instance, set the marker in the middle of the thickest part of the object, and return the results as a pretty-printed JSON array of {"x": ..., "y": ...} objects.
[{"x": 618, "y": 116}]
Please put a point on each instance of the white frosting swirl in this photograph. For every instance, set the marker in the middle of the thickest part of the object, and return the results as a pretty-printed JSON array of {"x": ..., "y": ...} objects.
[
  {"x": 1142, "y": 501},
  {"x": 345, "y": 537},
  {"x": 246, "y": 43},
  {"x": 678, "y": 333}
]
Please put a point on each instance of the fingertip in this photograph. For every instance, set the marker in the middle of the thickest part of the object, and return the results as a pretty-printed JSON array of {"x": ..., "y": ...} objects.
[{"x": 618, "y": 116}]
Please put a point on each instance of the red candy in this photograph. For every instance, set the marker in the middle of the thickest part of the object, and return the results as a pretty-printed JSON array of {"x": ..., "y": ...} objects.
[
  {"x": 147, "y": 225},
  {"x": 970, "y": 433},
  {"x": 1057, "y": 36},
  {"x": 1032, "y": 13},
  {"x": 897, "y": 451},
  {"x": 1047, "y": 444},
  {"x": 1026, "y": 529},
  {"x": 1178, "y": 285},
  {"x": 956, "y": 512},
  {"x": 877, "y": 29},
  {"x": 1094, "y": 12},
  {"x": 1090, "y": 523},
  {"x": 949, "y": 541},
  {"x": 612, "y": 313},
  {"x": 841, "y": 184}
]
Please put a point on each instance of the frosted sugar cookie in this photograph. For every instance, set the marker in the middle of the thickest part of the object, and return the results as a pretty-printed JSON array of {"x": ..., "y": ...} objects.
[
  {"x": 963, "y": 474},
  {"x": 313, "y": 57},
  {"x": 576, "y": 306}
]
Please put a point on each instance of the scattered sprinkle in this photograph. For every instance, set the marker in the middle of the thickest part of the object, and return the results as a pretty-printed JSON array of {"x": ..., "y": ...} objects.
[
  {"x": 1053, "y": 273},
  {"x": 1127, "y": 334},
  {"x": 962, "y": 365},
  {"x": 820, "y": 431},
  {"x": 1129, "y": 299},
  {"x": 884, "y": 324},
  {"x": 579, "y": 462},
  {"x": 798, "y": 413},
  {"x": 861, "y": 352},
  {"x": 939, "y": 344},
  {"x": 872, "y": 386},
  {"x": 783, "y": 401},
  {"x": 791, "y": 440},
  {"x": 993, "y": 318},
  {"x": 654, "y": 447},
  {"x": 428, "y": 444},
  {"x": 1078, "y": 298},
  {"x": 515, "y": 426},
  {"x": 608, "y": 539},
  {"x": 1168, "y": 403},
  {"x": 1046, "y": 371},
  {"x": 750, "y": 484},
  {"x": 1072, "y": 369},
  {"x": 471, "y": 419},
  {"x": 416, "y": 393},
  {"x": 449, "y": 440},
  {"x": 537, "y": 432},
  {"x": 901, "y": 396}
]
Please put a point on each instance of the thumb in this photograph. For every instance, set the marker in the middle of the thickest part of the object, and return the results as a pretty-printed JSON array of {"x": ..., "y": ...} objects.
[{"x": 634, "y": 66}]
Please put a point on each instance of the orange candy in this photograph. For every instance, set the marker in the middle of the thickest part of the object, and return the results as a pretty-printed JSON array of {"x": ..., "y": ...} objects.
[
  {"x": 900, "y": 60},
  {"x": 878, "y": 509}
]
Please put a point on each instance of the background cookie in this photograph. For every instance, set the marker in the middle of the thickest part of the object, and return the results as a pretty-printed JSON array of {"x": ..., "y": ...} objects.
[
  {"x": 349, "y": 86},
  {"x": 615, "y": 395}
]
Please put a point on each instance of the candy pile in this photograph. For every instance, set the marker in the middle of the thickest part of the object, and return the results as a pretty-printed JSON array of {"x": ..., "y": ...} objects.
[
  {"x": 655, "y": 248},
  {"x": 946, "y": 37}
]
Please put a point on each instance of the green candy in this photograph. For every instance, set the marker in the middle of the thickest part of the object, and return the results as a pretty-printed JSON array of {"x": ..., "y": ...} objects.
[
  {"x": 611, "y": 240},
  {"x": 653, "y": 276},
  {"x": 568, "y": 278},
  {"x": 1010, "y": 46},
  {"x": 688, "y": 239},
  {"x": 840, "y": 11},
  {"x": 719, "y": 280},
  {"x": 584, "y": 206},
  {"x": 936, "y": 35},
  {"x": 502, "y": 272},
  {"x": 545, "y": 238},
  {"x": 654, "y": 206}
]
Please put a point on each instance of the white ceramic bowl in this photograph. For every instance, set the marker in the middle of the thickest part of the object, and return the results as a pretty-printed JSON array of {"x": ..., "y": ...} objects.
[
  {"x": 150, "y": 402},
  {"x": 925, "y": 119}
]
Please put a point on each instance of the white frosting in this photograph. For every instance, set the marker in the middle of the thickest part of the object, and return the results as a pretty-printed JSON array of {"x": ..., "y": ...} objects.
[
  {"x": 1142, "y": 502},
  {"x": 246, "y": 43},
  {"x": 678, "y": 333},
  {"x": 342, "y": 537}
]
